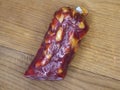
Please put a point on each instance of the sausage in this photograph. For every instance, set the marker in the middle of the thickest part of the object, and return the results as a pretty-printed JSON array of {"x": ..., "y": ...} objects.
[{"x": 60, "y": 42}]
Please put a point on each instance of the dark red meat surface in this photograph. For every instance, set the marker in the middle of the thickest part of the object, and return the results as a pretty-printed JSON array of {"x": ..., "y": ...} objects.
[{"x": 59, "y": 45}]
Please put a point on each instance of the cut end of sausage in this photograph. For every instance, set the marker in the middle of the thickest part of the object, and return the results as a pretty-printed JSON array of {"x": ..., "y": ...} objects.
[
  {"x": 82, "y": 10},
  {"x": 36, "y": 76}
]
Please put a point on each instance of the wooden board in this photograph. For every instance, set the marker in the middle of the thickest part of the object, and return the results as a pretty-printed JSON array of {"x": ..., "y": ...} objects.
[{"x": 96, "y": 65}]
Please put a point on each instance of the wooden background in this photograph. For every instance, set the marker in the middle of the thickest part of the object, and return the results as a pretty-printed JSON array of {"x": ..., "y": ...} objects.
[{"x": 96, "y": 65}]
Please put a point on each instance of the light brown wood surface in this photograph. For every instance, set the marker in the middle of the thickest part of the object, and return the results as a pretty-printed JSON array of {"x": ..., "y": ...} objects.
[{"x": 96, "y": 65}]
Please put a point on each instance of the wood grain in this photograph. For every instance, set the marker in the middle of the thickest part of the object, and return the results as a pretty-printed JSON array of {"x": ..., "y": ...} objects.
[{"x": 96, "y": 65}]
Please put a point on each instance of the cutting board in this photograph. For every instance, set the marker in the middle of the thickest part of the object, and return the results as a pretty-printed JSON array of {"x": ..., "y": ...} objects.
[{"x": 96, "y": 65}]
